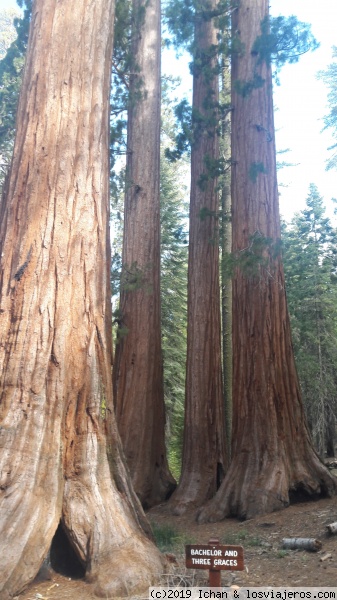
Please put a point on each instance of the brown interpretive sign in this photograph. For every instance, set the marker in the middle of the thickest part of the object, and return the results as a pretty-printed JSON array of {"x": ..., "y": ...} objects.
[{"x": 215, "y": 558}]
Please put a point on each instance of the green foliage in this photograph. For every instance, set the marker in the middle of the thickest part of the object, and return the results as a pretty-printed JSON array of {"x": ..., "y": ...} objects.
[
  {"x": 192, "y": 125},
  {"x": 283, "y": 40},
  {"x": 234, "y": 539},
  {"x": 122, "y": 332},
  {"x": 11, "y": 67},
  {"x": 127, "y": 86},
  {"x": 204, "y": 64},
  {"x": 181, "y": 18},
  {"x": 120, "y": 80},
  {"x": 205, "y": 213},
  {"x": 256, "y": 259},
  {"x": 255, "y": 169},
  {"x": 169, "y": 539},
  {"x": 281, "y": 164},
  {"x": 330, "y": 120},
  {"x": 8, "y": 32},
  {"x": 245, "y": 88},
  {"x": 310, "y": 255},
  {"x": 133, "y": 278},
  {"x": 183, "y": 139},
  {"x": 166, "y": 537},
  {"x": 117, "y": 190},
  {"x": 174, "y": 252},
  {"x": 213, "y": 169},
  {"x": 241, "y": 537},
  {"x": 237, "y": 47}
]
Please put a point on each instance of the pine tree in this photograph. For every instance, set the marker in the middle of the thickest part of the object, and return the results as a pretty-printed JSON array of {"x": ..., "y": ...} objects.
[
  {"x": 174, "y": 252},
  {"x": 309, "y": 259},
  {"x": 11, "y": 68},
  {"x": 8, "y": 31},
  {"x": 329, "y": 76}
]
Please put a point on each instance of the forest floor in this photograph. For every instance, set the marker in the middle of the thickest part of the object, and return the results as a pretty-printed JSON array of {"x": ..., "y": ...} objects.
[{"x": 266, "y": 563}]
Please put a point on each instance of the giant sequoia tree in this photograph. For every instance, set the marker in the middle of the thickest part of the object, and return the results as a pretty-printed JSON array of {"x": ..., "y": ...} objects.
[
  {"x": 55, "y": 335},
  {"x": 273, "y": 459},
  {"x": 138, "y": 372},
  {"x": 204, "y": 448}
]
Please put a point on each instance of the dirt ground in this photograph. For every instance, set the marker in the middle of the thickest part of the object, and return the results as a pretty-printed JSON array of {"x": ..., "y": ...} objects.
[{"x": 266, "y": 563}]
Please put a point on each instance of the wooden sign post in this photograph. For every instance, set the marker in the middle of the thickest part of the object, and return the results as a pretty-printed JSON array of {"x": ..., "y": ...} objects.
[{"x": 215, "y": 558}]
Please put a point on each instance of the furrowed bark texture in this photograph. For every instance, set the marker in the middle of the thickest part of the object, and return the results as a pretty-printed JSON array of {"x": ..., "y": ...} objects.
[
  {"x": 55, "y": 335},
  {"x": 273, "y": 459},
  {"x": 226, "y": 248},
  {"x": 204, "y": 448},
  {"x": 138, "y": 371}
]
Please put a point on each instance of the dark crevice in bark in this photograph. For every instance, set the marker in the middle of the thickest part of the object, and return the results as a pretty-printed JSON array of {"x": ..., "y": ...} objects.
[
  {"x": 63, "y": 557},
  {"x": 300, "y": 494},
  {"x": 220, "y": 475}
]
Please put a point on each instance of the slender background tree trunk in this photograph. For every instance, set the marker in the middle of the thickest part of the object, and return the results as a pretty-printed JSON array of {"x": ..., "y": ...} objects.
[
  {"x": 138, "y": 373},
  {"x": 226, "y": 248},
  {"x": 55, "y": 335},
  {"x": 204, "y": 448},
  {"x": 273, "y": 459}
]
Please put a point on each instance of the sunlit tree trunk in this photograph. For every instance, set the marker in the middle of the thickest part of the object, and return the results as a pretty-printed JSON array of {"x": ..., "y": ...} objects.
[
  {"x": 55, "y": 336},
  {"x": 138, "y": 373},
  {"x": 226, "y": 248},
  {"x": 273, "y": 459},
  {"x": 204, "y": 448}
]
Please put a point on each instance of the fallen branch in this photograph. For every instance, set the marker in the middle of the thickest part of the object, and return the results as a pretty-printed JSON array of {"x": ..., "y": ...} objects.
[
  {"x": 332, "y": 528},
  {"x": 302, "y": 544},
  {"x": 325, "y": 557}
]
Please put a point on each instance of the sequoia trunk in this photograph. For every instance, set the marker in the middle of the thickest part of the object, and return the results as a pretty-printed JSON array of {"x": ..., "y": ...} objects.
[
  {"x": 138, "y": 373},
  {"x": 273, "y": 459},
  {"x": 55, "y": 336},
  {"x": 204, "y": 448}
]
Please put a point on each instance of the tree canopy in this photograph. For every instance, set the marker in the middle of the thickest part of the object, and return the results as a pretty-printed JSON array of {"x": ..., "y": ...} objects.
[{"x": 329, "y": 76}]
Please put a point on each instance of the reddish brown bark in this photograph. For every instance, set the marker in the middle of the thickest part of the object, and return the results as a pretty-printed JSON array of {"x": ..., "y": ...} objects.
[
  {"x": 55, "y": 335},
  {"x": 138, "y": 372},
  {"x": 204, "y": 449},
  {"x": 273, "y": 459}
]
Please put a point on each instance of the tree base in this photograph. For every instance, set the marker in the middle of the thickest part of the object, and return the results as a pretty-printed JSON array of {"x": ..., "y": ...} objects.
[
  {"x": 192, "y": 492},
  {"x": 245, "y": 494},
  {"x": 131, "y": 570},
  {"x": 102, "y": 525},
  {"x": 162, "y": 490}
]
